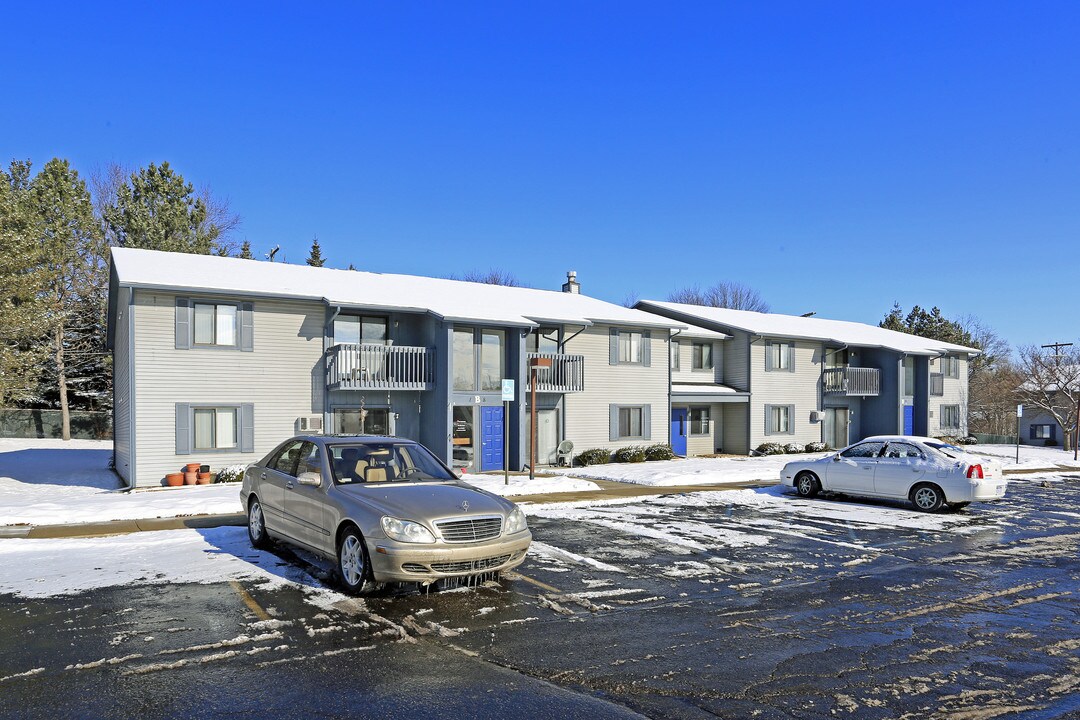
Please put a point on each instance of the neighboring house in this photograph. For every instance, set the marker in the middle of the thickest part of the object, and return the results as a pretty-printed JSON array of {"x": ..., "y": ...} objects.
[
  {"x": 1039, "y": 427},
  {"x": 217, "y": 360},
  {"x": 797, "y": 379}
]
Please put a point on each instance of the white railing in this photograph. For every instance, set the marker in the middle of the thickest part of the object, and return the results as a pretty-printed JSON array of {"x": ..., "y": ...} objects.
[
  {"x": 853, "y": 381},
  {"x": 380, "y": 367},
  {"x": 566, "y": 374}
]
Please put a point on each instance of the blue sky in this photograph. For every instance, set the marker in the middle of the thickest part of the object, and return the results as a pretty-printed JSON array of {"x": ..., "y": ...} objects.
[{"x": 838, "y": 156}]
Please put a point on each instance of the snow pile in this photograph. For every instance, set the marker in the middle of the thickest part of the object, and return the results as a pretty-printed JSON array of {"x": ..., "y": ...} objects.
[
  {"x": 1032, "y": 457},
  {"x": 522, "y": 485},
  {"x": 52, "y": 482},
  {"x": 691, "y": 471}
]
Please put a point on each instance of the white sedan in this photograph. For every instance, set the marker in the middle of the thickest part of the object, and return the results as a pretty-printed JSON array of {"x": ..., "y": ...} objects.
[{"x": 930, "y": 473}]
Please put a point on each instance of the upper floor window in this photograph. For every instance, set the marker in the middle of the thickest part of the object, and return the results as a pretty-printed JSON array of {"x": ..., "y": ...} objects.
[
  {"x": 702, "y": 355},
  {"x": 215, "y": 324},
  {"x": 479, "y": 359},
  {"x": 780, "y": 356},
  {"x": 543, "y": 340},
  {"x": 674, "y": 354},
  {"x": 836, "y": 357},
  {"x": 356, "y": 329},
  {"x": 950, "y": 367},
  {"x": 909, "y": 376},
  {"x": 630, "y": 347}
]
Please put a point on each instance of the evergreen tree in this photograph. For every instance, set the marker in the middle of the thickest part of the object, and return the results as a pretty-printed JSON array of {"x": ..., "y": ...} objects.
[
  {"x": 928, "y": 325},
  {"x": 245, "y": 251},
  {"x": 315, "y": 258}
]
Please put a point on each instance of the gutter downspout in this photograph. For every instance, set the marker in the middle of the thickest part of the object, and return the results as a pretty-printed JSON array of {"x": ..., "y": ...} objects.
[
  {"x": 671, "y": 338},
  {"x": 326, "y": 384}
]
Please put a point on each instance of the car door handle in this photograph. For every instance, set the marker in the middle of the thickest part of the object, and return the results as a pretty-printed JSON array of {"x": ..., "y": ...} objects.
[{"x": 288, "y": 485}]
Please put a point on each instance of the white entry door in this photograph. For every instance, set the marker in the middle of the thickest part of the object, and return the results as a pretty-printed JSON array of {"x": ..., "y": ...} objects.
[
  {"x": 836, "y": 427},
  {"x": 547, "y": 436}
]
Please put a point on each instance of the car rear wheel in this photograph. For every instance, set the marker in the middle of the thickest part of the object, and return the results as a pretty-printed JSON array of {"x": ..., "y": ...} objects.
[
  {"x": 928, "y": 498},
  {"x": 353, "y": 567},
  {"x": 257, "y": 525},
  {"x": 807, "y": 485}
]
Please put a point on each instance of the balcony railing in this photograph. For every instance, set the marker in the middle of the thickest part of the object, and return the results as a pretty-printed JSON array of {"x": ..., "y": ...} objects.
[
  {"x": 566, "y": 374},
  {"x": 380, "y": 367},
  {"x": 937, "y": 384},
  {"x": 865, "y": 382}
]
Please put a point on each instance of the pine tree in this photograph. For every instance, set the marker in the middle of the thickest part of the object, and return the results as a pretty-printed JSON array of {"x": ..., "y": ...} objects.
[
  {"x": 245, "y": 251},
  {"x": 925, "y": 324},
  {"x": 315, "y": 258}
]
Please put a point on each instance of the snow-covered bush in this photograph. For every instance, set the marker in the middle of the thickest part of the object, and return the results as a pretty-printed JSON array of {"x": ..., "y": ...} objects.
[
  {"x": 660, "y": 451},
  {"x": 231, "y": 473},
  {"x": 596, "y": 456},
  {"x": 630, "y": 454},
  {"x": 770, "y": 449},
  {"x": 816, "y": 447},
  {"x": 793, "y": 448},
  {"x": 969, "y": 440}
]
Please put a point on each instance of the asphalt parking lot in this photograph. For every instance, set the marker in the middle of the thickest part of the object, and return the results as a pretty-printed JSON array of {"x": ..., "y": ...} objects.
[{"x": 729, "y": 604}]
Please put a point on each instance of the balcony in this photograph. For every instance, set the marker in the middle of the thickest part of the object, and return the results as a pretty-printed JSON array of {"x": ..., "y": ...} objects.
[
  {"x": 937, "y": 384},
  {"x": 566, "y": 374},
  {"x": 853, "y": 381},
  {"x": 380, "y": 367}
]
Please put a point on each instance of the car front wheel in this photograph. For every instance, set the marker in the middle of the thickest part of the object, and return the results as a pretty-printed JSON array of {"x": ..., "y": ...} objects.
[
  {"x": 353, "y": 567},
  {"x": 807, "y": 485},
  {"x": 257, "y": 525},
  {"x": 928, "y": 498}
]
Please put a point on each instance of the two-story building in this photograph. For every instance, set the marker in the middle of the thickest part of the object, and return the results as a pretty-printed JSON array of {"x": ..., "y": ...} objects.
[
  {"x": 791, "y": 379},
  {"x": 216, "y": 360}
]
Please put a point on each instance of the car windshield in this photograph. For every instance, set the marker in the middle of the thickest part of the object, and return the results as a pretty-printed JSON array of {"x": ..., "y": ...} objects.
[
  {"x": 946, "y": 449},
  {"x": 384, "y": 462}
]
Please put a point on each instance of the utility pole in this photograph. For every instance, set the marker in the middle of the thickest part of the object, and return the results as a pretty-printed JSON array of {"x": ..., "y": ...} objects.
[{"x": 1076, "y": 426}]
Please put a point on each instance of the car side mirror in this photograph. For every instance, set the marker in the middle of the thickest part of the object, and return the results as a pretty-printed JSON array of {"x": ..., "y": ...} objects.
[
  {"x": 310, "y": 478},
  {"x": 836, "y": 457}
]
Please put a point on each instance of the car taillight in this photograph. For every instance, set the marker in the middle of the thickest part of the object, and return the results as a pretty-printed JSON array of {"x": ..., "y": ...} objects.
[{"x": 975, "y": 472}]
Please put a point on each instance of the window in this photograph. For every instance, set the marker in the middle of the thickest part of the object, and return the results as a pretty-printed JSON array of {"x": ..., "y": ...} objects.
[
  {"x": 355, "y": 329},
  {"x": 543, "y": 340},
  {"x": 836, "y": 358},
  {"x": 629, "y": 347},
  {"x": 630, "y": 422},
  {"x": 215, "y": 324},
  {"x": 384, "y": 462},
  {"x": 909, "y": 376},
  {"x": 674, "y": 354},
  {"x": 215, "y": 428},
  {"x": 950, "y": 366},
  {"x": 779, "y": 419},
  {"x": 937, "y": 384},
  {"x": 1042, "y": 432},
  {"x": 700, "y": 421},
  {"x": 310, "y": 459},
  {"x": 780, "y": 356},
  {"x": 701, "y": 353},
  {"x": 902, "y": 450},
  {"x": 863, "y": 450},
  {"x": 464, "y": 359},
  {"x": 491, "y": 360},
  {"x": 369, "y": 421},
  {"x": 950, "y": 416},
  {"x": 288, "y": 458}
]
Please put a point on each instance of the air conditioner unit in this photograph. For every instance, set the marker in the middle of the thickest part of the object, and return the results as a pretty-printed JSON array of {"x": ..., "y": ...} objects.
[{"x": 311, "y": 424}]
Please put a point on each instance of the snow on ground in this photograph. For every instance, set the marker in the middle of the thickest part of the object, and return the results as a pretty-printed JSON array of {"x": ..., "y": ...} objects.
[
  {"x": 522, "y": 485},
  {"x": 691, "y": 471},
  {"x": 44, "y": 568},
  {"x": 1031, "y": 457}
]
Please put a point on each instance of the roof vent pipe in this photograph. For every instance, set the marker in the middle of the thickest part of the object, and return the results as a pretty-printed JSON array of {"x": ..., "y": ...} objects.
[{"x": 571, "y": 285}]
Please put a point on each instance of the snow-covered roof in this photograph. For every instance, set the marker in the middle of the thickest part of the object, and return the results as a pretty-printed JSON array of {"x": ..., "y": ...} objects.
[
  {"x": 454, "y": 300},
  {"x": 842, "y": 332},
  {"x": 696, "y": 331},
  {"x": 703, "y": 389}
]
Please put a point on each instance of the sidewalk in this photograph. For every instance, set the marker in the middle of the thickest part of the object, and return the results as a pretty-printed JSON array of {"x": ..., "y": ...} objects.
[{"x": 608, "y": 490}]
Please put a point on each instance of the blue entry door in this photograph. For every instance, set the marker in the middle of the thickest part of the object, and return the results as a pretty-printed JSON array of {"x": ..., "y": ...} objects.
[
  {"x": 909, "y": 420},
  {"x": 491, "y": 438},
  {"x": 678, "y": 430}
]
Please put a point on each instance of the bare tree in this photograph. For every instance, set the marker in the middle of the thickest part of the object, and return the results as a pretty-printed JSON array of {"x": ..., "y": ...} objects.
[
  {"x": 631, "y": 299},
  {"x": 493, "y": 276},
  {"x": 1051, "y": 382},
  {"x": 724, "y": 294},
  {"x": 220, "y": 215}
]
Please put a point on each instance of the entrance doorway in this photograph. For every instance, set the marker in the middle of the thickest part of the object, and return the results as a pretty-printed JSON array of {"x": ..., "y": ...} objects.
[
  {"x": 837, "y": 422},
  {"x": 464, "y": 446},
  {"x": 491, "y": 438},
  {"x": 678, "y": 431},
  {"x": 547, "y": 437}
]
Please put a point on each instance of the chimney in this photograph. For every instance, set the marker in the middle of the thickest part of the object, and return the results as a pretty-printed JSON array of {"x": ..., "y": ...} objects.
[{"x": 571, "y": 285}]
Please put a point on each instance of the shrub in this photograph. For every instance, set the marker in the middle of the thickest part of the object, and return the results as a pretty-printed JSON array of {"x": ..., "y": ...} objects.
[
  {"x": 660, "y": 451},
  {"x": 596, "y": 456},
  {"x": 770, "y": 449},
  {"x": 969, "y": 440},
  {"x": 816, "y": 447},
  {"x": 793, "y": 448},
  {"x": 231, "y": 473},
  {"x": 1050, "y": 442},
  {"x": 630, "y": 454}
]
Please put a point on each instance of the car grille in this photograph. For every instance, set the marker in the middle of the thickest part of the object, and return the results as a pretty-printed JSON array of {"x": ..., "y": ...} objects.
[
  {"x": 470, "y": 565},
  {"x": 469, "y": 530}
]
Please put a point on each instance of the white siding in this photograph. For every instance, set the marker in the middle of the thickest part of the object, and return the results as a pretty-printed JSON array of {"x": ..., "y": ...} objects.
[
  {"x": 122, "y": 389},
  {"x": 283, "y": 377},
  {"x": 780, "y": 387},
  {"x": 587, "y": 415},
  {"x": 737, "y": 361},
  {"x": 956, "y": 393},
  {"x": 734, "y": 429},
  {"x": 706, "y": 444},
  {"x": 686, "y": 373}
]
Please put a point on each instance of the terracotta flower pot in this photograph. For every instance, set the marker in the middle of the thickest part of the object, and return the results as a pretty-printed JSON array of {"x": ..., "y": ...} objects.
[
  {"x": 202, "y": 478},
  {"x": 174, "y": 479},
  {"x": 190, "y": 478},
  {"x": 192, "y": 467}
]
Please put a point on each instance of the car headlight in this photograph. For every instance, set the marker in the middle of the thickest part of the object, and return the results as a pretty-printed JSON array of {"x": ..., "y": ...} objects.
[
  {"x": 406, "y": 531},
  {"x": 516, "y": 522}
]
